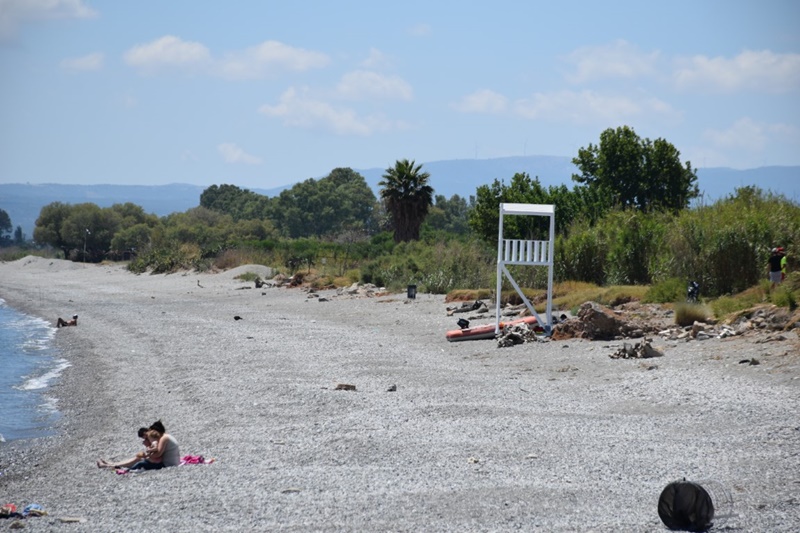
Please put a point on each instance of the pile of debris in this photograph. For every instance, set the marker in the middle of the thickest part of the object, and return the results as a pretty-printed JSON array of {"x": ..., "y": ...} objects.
[
  {"x": 700, "y": 331},
  {"x": 596, "y": 322},
  {"x": 352, "y": 292},
  {"x": 356, "y": 290},
  {"x": 764, "y": 318},
  {"x": 640, "y": 350},
  {"x": 518, "y": 334},
  {"x": 478, "y": 307}
]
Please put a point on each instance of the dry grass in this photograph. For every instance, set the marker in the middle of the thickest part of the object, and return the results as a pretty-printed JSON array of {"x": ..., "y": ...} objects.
[
  {"x": 468, "y": 295},
  {"x": 687, "y": 314},
  {"x": 567, "y": 295}
]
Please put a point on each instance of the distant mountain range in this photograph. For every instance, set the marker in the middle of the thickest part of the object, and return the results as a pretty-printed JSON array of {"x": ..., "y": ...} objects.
[{"x": 23, "y": 202}]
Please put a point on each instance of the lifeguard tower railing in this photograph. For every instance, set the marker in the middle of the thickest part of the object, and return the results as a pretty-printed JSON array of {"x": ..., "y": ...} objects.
[{"x": 526, "y": 253}]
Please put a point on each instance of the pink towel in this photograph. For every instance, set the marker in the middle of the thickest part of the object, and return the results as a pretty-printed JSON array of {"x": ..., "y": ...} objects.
[{"x": 196, "y": 460}]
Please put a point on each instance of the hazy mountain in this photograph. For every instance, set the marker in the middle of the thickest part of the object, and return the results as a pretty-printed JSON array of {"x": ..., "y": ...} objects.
[{"x": 23, "y": 202}]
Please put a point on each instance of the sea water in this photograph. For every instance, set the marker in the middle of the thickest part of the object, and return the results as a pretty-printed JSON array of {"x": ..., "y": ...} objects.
[{"x": 29, "y": 363}]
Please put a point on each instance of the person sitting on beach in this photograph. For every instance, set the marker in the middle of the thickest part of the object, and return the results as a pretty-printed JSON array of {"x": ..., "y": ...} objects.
[
  {"x": 63, "y": 323},
  {"x": 102, "y": 463},
  {"x": 163, "y": 452}
]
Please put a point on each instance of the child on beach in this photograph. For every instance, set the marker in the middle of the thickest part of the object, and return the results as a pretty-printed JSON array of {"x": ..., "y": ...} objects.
[{"x": 143, "y": 434}]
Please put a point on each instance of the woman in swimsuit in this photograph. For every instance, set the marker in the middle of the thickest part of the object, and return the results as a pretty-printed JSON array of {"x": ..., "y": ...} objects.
[{"x": 164, "y": 450}]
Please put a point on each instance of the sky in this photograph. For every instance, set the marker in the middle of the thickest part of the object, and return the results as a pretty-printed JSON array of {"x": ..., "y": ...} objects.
[{"x": 263, "y": 94}]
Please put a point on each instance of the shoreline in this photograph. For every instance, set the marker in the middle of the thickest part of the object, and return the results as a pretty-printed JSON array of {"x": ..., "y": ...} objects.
[
  {"x": 31, "y": 364},
  {"x": 474, "y": 438}
]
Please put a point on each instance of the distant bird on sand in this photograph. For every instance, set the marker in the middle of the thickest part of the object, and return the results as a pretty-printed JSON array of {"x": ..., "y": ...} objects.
[{"x": 237, "y": 317}]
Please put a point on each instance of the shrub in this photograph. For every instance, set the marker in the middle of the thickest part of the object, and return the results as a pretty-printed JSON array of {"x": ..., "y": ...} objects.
[
  {"x": 248, "y": 276},
  {"x": 784, "y": 297},
  {"x": 725, "y": 305},
  {"x": 687, "y": 314},
  {"x": 667, "y": 291}
]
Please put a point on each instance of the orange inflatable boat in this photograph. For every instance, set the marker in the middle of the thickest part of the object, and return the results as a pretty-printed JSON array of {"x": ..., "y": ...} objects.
[{"x": 485, "y": 331}]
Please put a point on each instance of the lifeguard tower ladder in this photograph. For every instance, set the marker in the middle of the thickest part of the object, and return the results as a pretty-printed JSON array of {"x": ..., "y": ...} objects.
[{"x": 526, "y": 253}]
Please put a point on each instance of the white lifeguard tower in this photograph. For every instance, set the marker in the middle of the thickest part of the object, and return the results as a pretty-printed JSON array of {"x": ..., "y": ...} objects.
[{"x": 526, "y": 253}]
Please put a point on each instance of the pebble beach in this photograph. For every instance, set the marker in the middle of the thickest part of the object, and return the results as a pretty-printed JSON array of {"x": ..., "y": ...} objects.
[{"x": 437, "y": 436}]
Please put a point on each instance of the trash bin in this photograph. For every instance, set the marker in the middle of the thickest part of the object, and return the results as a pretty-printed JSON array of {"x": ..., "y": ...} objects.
[{"x": 412, "y": 291}]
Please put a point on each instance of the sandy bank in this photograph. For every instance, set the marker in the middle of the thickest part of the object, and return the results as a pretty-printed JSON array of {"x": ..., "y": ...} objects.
[{"x": 548, "y": 436}]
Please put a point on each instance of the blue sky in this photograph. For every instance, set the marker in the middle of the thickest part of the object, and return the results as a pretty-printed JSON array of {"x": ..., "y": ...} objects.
[{"x": 262, "y": 94}]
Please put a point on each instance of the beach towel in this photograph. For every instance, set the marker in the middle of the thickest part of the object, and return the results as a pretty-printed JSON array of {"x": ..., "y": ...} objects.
[{"x": 196, "y": 460}]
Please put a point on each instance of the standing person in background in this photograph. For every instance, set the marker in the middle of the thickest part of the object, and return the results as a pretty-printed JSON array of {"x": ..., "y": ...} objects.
[
  {"x": 782, "y": 253},
  {"x": 774, "y": 268}
]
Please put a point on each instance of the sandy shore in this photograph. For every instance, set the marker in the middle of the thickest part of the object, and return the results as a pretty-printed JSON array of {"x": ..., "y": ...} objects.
[{"x": 550, "y": 436}]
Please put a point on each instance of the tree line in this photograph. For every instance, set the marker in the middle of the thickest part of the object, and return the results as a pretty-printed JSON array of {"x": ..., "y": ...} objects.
[{"x": 626, "y": 220}]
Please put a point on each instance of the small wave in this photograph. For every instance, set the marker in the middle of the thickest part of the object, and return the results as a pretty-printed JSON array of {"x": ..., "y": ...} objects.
[
  {"x": 49, "y": 405},
  {"x": 32, "y": 334},
  {"x": 40, "y": 382}
]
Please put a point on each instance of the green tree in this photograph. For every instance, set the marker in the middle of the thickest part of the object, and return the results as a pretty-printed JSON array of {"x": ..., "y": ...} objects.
[
  {"x": 81, "y": 231},
  {"x": 5, "y": 227},
  {"x": 451, "y": 216},
  {"x": 639, "y": 173},
  {"x": 204, "y": 227},
  {"x": 131, "y": 214},
  {"x": 241, "y": 204},
  {"x": 570, "y": 205},
  {"x": 134, "y": 238},
  {"x": 407, "y": 197},
  {"x": 339, "y": 202},
  {"x": 19, "y": 237},
  {"x": 88, "y": 230},
  {"x": 48, "y": 229}
]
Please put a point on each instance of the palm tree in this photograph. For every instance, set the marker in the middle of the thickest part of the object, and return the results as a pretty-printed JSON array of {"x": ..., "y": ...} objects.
[{"x": 407, "y": 197}]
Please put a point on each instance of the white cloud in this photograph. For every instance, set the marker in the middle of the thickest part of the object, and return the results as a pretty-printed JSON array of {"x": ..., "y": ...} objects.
[
  {"x": 14, "y": 12},
  {"x": 128, "y": 100},
  {"x": 744, "y": 134},
  {"x": 362, "y": 84},
  {"x": 233, "y": 154},
  {"x": 88, "y": 62},
  {"x": 483, "y": 101},
  {"x": 762, "y": 71},
  {"x": 267, "y": 57},
  {"x": 298, "y": 109},
  {"x": 375, "y": 59},
  {"x": 746, "y": 143},
  {"x": 420, "y": 30},
  {"x": 251, "y": 63},
  {"x": 616, "y": 60},
  {"x": 589, "y": 106},
  {"x": 168, "y": 51}
]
